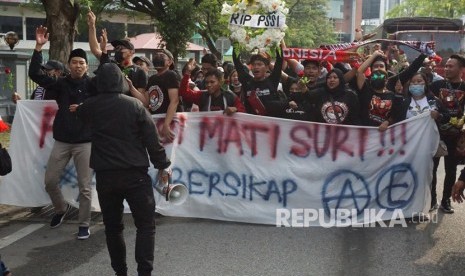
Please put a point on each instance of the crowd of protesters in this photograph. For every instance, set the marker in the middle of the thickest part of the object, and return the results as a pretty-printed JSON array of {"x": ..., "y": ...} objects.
[{"x": 381, "y": 90}]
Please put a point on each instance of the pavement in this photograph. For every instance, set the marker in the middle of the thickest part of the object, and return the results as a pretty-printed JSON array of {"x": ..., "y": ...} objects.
[{"x": 9, "y": 213}]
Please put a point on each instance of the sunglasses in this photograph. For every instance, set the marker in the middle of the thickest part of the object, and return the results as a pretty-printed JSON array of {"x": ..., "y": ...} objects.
[{"x": 378, "y": 77}]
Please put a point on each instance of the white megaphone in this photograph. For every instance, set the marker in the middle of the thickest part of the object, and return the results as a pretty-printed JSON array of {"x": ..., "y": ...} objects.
[{"x": 174, "y": 193}]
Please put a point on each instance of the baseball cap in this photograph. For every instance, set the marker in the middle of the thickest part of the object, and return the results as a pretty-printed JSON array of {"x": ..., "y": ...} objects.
[
  {"x": 144, "y": 59},
  {"x": 308, "y": 61},
  {"x": 166, "y": 52},
  {"x": 122, "y": 42},
  {"x": 53, "y": 64}
]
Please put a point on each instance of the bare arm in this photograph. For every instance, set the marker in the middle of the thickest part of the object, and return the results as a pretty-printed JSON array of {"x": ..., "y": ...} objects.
[
  {"x": 93, "y": 42},
  {"x": 173, "y": 94},
  {"x": 361, "y": 70}
]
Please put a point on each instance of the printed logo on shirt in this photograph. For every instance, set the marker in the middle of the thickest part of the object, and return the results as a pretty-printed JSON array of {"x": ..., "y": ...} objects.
[
  {"x": 451, "y": 100},
  {"x": 156, "y": 98},
  {"x": 294, "y": 111},
  {"x": 259, "y": 92},
  {"x": 379, "y": 109},
  {"x": 330, "y": 113}
]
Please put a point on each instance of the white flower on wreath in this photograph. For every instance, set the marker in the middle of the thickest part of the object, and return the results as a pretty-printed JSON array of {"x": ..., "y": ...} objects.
[
  {"x": 227, "y": 9},
  {"x": 245, "y": 36}
]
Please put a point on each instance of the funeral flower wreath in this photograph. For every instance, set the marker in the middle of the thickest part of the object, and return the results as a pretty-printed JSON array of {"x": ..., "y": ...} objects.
[{"x": 250, "y": 38}]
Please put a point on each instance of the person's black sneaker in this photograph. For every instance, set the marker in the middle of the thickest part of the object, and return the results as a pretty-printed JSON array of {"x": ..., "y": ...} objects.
[
  {"x": 58, "y": 218},
  {"x": 83, "y": 233},
  {"x": 446, "y": 207},
  {"x": 434, "y": 206}
]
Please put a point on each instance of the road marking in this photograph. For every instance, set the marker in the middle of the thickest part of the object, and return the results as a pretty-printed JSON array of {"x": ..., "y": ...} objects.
[{"x": 21, "y": 233}]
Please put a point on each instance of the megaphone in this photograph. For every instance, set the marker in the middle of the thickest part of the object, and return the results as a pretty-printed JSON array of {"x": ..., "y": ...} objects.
[{"x": 174, "y": 193}]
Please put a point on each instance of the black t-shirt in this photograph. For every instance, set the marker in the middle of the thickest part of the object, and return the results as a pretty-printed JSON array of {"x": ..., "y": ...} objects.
[
  {"x": 157, "y": 89},
  {"x": 451, "y": 95},
  {"x": 375, "y": 107},
  {"x": 217, "y": 103},
  {"x": 137, "y": 75},
  {"x": 337, "y": 107}
]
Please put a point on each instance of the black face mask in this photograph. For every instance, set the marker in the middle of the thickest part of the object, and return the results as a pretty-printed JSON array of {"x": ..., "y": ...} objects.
[
  {"x": 377, "y": 84},
  {"x": 296, "y": 96},
  {"x": 119, "y": 57},
  {"x": 158, "y": 61}
]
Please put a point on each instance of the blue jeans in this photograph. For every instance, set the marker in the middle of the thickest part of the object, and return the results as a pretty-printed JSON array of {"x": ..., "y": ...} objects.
[{"x": 135, "y": 186}]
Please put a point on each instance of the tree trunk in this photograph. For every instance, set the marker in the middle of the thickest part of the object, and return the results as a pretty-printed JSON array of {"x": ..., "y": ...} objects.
[
  {"x": 211, "y": 45},
  {"x": 61, "y": 18}
]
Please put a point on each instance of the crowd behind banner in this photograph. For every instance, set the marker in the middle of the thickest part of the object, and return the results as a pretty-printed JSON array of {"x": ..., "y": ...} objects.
[
  {"x": 350, "y": 126},
  {"x": 245, "y": 167},
  {"x": 365, "y": 83}
]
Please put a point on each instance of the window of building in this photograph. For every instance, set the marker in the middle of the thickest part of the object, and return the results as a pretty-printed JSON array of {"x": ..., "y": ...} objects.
[
  {"x": 370, "y": 9},
  {"x": 31, "y": 25},
  {"x": 336, "y": 9},
  {"x": 11, "y": 23}
]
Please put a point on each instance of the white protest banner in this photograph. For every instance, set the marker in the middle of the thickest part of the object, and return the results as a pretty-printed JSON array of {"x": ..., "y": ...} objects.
[
  {"x": 245, "y": 168},
  {"x": 269, "y": 21}
]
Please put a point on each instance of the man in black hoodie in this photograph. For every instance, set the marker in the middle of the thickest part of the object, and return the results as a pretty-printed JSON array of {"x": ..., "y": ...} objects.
[
  {"x": 72, "y": 137},
  {"x": 122, "y": 134}
]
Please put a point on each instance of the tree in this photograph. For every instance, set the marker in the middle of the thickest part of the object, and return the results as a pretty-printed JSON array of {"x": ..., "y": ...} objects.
[
  {"x": 174, "y": 18},
  {"x": 61, "y": 21},
  {"x": 211, "y": 25},
  {"x": 443, "y": 8},
  {"x": 308, "y": 24}
]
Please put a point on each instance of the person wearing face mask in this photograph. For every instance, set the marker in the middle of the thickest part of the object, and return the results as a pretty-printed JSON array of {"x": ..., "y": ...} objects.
[
  {"x": 299, "y": 108},
  {"x": 124, "y": 53},
  {"x": 163, "y": 90},
  {"x": 52, "y": 68},
  {"x": 376, "y": 101},
  {"x": 260, "y": 95},
  {"x": 419, "y": 100}
]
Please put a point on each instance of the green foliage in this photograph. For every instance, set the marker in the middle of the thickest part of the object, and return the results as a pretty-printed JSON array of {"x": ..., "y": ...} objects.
[
  {"x": 176, "y": 26},
  {"x": 308, "y": 24},
  {"x": 433, "y": 8},
  {"x": 210, "y": 23}
]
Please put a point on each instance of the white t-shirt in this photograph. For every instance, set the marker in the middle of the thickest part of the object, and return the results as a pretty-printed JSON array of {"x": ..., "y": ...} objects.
[{"x": 417, "y": 107}]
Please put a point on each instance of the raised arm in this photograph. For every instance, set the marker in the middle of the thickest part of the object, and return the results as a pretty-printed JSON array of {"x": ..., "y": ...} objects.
[
  {"x": 244, "y": 77},
  {"x": 189, "y": 95},
  {"x": 361, "y": 70},
  {"x": 93, "y": 43},
  {"x": 35, "y": 72}
]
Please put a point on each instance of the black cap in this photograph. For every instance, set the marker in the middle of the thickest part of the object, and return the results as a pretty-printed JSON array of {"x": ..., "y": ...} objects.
[
  {"x": 53, "y": 64},
  {"x": 78, "y": 53},
  {"x": 309, "y": 61},
  {"x": 123, "y": 42},
  {"x": 144, "y": 59}
]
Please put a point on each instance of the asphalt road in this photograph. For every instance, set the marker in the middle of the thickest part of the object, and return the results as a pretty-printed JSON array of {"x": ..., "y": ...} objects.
[{"x": 206, "y": 247}]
